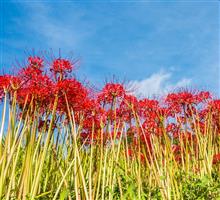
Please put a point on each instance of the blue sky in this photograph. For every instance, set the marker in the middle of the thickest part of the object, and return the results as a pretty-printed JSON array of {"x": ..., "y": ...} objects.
[{"x": 155, "y": 45}]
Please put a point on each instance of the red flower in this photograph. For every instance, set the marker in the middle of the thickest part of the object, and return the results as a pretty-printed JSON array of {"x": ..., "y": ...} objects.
[
  {"x": 180, "y": 98},
  {"x": 177, "y": 100},
  {"x": 216, "y": 158},
  {"x": 127, "y": 107},
  {"x": 5, "y": 81},
  {"x": 215, "y": 104},
  {"x": 61, "y": 67},
  {"x": 112, "y": 111},
  {"x": 173, "y": 129},
  {"x": 214, "y": 110},
  {"x": 148, "y": 107},
  {"x": 131, "y": 154},
  {"x": 176, "y": 149},
  {"x": 94, "y": 115},
  {"x": 39, "y": 90},
  {"x": 9, "y": 83},
  {"x": 203, "y": 96},
  {"x": 110, "y": 92},
  {"x": 75, "y": 93},
  {"x": 33, "y": 69},
  {"x": 35, "y": 61}
]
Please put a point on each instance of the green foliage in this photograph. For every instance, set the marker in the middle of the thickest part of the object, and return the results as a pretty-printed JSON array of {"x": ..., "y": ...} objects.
[{"x": 201, "y": 188}]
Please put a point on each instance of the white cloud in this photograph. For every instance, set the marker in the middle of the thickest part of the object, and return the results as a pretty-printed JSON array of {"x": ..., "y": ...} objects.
[{"x": 157, "y": 84}]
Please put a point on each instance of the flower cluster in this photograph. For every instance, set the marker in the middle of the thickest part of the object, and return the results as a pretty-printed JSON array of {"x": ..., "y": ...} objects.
[{"x": 102, "y": 115}]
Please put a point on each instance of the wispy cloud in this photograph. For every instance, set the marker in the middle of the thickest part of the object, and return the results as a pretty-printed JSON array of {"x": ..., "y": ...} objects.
[
  {"x": 54, "y": 31},
  {"x": 121, "y": 38},
  {"x": 157, "y": 84}
]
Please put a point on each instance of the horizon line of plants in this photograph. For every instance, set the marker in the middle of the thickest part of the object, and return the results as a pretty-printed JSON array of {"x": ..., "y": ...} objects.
[{"x": 61, "y": 139}]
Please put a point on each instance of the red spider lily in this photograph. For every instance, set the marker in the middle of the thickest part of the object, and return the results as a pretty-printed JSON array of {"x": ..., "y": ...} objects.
[
  {"x": 39, "y": 91},
  {"x": 216, "y": 158},
  {"x": 153, "y": 116},
  {"x": 33, "y": 69},
  {"x": 214, "y": 109},
  {"x": 61, "y": 67},
  {"x": 215, "y": 104},
  {"x": 130, "y": 102},
  {"x": 203, "y": 96},
  {"x": 110, "y": 92},
  {"x": 35, "y": 61},
  {"x": 72, "y": 91},
  {"x": 94, "y": 116},
  {"x": 9, "y": 84},
  {"x": 148, "y": 108},
  {"x": 181, "y": 115},
  {"x": 176, "y": 149},
  {"x": 173, "y": 129},
  {"x": 180, "y": 100},
  {"x": 5, "y": 82},
  {"x": 4, "y": 85},
  {"x": 16, "y": 82},
  {"x": 130, "y": 154},
  {"x": 126, "y": 109},
  {"x": 88, "y": 138}
]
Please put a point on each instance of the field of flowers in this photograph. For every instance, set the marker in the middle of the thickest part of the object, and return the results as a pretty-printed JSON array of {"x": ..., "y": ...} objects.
[{"x": 62, "y": 139}]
